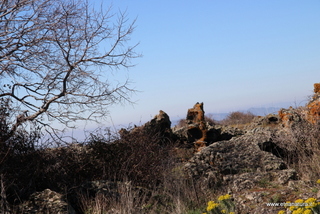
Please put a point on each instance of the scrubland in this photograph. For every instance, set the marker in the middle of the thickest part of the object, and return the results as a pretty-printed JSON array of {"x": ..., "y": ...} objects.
[{"x": 142, "y": 172}]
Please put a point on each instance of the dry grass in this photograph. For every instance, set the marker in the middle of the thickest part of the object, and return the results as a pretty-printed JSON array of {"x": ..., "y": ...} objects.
[
  {"x": 101, "y": 204},
  {"x": 301, "y": 143},
  {"x": 178, "y": 194}
]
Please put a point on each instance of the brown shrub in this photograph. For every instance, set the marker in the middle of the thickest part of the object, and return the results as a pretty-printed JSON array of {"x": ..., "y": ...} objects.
[
  {"x": 237, "y": 117},
  {"x": 177, "y": 194},
  {"x": 209, "y": 119},
  {"x": 140, "y": 158}
]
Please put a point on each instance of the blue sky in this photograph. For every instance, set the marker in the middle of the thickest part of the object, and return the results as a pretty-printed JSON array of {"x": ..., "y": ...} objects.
[{"x": 229, "y": 54}]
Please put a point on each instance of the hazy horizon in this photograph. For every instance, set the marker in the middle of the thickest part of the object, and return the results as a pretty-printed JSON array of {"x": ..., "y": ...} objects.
[
  {"x": 231, "y": 55},
  {"x": 81, "y": 133}
]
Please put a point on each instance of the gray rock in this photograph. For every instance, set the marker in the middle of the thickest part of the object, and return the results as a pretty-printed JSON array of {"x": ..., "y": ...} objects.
[
  {"x": 239, "y": 162},
  {"x": 160, "y": 125}
]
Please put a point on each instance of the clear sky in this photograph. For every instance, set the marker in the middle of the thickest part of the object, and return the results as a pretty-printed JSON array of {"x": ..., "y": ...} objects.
[{"x": 229, "y": 54}]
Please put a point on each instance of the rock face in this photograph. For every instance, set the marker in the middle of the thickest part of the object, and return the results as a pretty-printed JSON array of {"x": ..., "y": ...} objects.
[
  {"x": 313, "y": 107},
  {"x": 289, "y": 116},
  {"x": 316, "y": 87},
  {"x": 311, "y": 113},
  {"x": 244, "y": 156},
  {"x": 160, "y": 125},
  {"x": 197, "y": 130}
]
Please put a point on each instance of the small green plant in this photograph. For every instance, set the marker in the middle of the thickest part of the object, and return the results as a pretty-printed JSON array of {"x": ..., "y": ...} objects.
[
  {"x": 276, "y": 198},
  {"x": 264, "y": 182}
]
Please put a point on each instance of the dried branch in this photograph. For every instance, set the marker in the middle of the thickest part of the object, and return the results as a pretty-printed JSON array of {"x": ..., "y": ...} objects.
[{"x": 50, "y": 52}]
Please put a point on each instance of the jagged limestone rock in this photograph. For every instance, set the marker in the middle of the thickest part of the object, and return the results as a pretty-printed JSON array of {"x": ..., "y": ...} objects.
[
  {"x": 238, "y": 163},
  {"x": 313, "y": 107},
  {"x": 197, "y": 129},
  {"x": 160, "y": 125}
]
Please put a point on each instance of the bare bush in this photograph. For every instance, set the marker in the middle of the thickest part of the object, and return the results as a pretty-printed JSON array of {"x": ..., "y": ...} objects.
[
  {"x": 301, "y": 143},
  {"x": 210, "y": 119},
  {"x": 177, "y": 194},
  {"x": 238, "y": 117},
  {"x": 181, "y": 123},
  {"x": 149, "y": 177},
  {"x": 140, "y": 158}
]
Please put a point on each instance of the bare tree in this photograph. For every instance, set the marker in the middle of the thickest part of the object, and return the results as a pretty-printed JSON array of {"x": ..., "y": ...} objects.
[{"x": 55, "y": 56}]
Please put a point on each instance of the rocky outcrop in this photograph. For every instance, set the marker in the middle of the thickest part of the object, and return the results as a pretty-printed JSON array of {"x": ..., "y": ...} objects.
[
  {"x": 316, "y": 88},
  {"x": 289, "y": 116},
  {"x": 268, "y": 120},
  {"x": 310, "y": 113},
  {"x": 198, "y": 133},
  {"x": 197, "y": 130},
  {"x": 223, "y": 132},
  {"x": 159, "y": 125},
  {"x": 248, "y": 165},
  {"x": 313, "y": 107},
  {"x": 243, "y": 156},
  {"x": 246, "y": 161}
]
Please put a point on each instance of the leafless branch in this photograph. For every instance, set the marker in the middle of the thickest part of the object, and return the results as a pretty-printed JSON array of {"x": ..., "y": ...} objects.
[{"x": 50, "y": 52}]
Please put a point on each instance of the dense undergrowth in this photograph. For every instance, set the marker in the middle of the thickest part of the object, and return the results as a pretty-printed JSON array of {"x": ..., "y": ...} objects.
[
  {"x": 145, "y": 165},
  {"x": 301, "y": 143},
  {"x": 142, "y": 163}
]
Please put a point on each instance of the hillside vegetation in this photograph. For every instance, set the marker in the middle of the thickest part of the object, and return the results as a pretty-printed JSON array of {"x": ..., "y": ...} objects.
[{"x": 243, "y": 164}]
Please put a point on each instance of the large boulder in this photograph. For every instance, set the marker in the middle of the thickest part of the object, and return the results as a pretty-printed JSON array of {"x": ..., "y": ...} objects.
[
  {"x": 160, "y": 126},
  {"x": 289, "y": 116},
  {"x": 160, "y": 123},
  {"x": 239, "y": 163}
]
